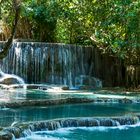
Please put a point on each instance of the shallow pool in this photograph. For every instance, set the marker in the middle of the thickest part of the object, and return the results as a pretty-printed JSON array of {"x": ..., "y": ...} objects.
[{"x": 39, "y": 94}]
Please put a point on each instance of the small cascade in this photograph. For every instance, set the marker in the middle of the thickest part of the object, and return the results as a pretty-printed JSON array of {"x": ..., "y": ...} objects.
[
  {"x": 22, "y": 130},
  {"x": 10, "y": 80},
  {"x": 52, "y": 63},
  {"x": 84, "y": 81}
]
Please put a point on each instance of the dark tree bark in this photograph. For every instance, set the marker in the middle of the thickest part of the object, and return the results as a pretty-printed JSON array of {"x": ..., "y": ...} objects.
[{"x": 8, "y": 43}]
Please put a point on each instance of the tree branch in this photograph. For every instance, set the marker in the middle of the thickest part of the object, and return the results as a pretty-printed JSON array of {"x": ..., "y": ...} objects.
[{"x": 8, "y": 43}]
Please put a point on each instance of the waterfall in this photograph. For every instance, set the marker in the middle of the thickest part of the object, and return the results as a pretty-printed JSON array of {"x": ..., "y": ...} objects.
[
  {"x": 51, "y": 63},
  {"x": 25, "y": 129}
]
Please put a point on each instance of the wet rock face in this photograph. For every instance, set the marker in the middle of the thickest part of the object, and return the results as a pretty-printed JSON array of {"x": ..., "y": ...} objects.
[
  {"x": 44, "y": 102},
  {"x": 47, "y": 102}
]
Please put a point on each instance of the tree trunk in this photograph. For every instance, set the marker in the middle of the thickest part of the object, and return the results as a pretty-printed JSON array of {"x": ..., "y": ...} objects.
[{"x": 8, "y": 43}]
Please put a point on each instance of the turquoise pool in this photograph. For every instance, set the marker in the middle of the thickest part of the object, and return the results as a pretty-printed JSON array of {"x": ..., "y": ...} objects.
[{"x": 9, "y": 116}]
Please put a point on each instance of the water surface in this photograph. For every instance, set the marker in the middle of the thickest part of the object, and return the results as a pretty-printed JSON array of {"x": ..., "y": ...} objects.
[{"x": 8, "y": 116}]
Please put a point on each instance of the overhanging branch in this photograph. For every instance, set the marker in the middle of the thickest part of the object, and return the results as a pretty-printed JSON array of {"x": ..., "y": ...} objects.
[{"x": 8, "y": 43}]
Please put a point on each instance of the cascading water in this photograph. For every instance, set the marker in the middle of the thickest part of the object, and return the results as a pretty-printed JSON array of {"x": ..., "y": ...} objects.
[
  {"x": 9, "y": 80},
  {"x": 26, "y": 129},
  {"x": 52, "y": 63}
]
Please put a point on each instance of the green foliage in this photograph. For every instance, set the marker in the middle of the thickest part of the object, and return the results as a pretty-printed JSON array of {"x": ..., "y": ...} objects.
[
  {"x": 116, "y": 27},
  {"x": 5, "y": 15},
  {"x": 42, "y": 15}
]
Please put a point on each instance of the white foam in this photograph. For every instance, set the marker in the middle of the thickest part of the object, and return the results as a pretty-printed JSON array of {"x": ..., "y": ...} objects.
[
  {"x": 37, "y": 137},
  {"x": 66, "y": 131},
  {"x": 60, "y": 133},
  {"x": 63, "y": 131},
  {"x": 112, "y": 96},
  {"x": 7, "y": 76}
]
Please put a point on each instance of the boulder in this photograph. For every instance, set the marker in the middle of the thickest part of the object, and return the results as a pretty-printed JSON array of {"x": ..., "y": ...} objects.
[
  {"x": 6, "y": 135},
  {"x": 9, "y": 81}
]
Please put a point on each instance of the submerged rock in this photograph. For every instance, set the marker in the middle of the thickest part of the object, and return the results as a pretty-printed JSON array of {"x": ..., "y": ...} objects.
[
  {"x": 35, "y": 86},
  {"x": 125, "y": 100}
]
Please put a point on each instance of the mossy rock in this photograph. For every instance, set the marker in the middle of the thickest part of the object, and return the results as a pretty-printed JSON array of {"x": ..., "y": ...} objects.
[{"x": 9, "y": 81}]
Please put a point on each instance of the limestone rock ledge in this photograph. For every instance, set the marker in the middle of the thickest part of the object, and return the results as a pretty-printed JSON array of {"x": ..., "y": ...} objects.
[{"x": 24, "y": 129}]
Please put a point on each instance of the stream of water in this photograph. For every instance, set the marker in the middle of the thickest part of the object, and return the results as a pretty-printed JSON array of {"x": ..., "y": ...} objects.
[{"x": 93, "y": 133}]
